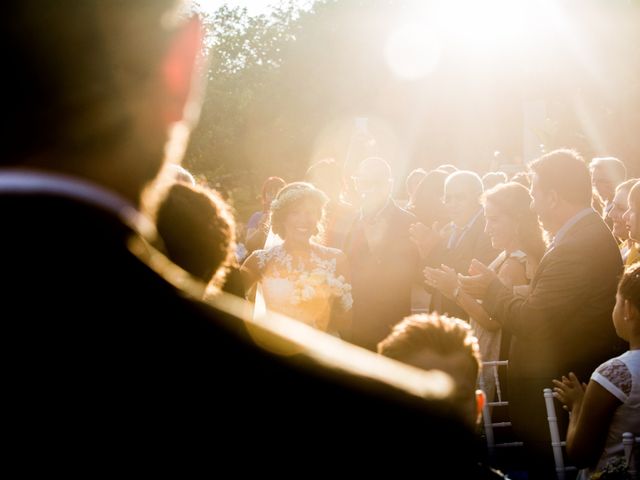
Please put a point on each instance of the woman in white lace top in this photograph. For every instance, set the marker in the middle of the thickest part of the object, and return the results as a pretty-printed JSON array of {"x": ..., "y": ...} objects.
[
  {"x": 300, "y": 278},
  {"x": 610, "y": 405}
]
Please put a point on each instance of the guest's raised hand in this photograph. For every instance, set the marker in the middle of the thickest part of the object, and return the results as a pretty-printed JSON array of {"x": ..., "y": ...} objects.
[
  {"x": 443, "y": 279},
  {"x": 477, "y": 283},
  {"x": 569, "y": 391}
]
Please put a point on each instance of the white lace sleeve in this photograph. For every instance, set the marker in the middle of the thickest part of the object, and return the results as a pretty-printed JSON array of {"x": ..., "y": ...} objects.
[{"x": 615, "y": 377}]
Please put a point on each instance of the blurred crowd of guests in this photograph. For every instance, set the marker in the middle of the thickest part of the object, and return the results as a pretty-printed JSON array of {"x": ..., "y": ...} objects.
[{"x": 127, "y": 349}]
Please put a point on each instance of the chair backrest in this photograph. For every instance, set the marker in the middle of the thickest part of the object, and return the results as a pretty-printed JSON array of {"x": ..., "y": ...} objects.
[
  {"x": 498, "y": 401},
  {"x": 556, "y": 444},
  {"x": 630, "y": 443}
]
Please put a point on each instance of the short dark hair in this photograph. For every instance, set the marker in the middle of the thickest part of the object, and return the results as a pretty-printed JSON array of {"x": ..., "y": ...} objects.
[
  {"x": 429, "y": 190},
  {"x": 566, "y": 172},
  {"x": 471, "y": 179},
  {"x": 436, "y": 333},
  {"x": 269, "y": 185},
  {"x": 198, "y": 231},
  {"x": 75, "y": 69},
  {"x": 291, "y": 195},
  {"x": 447, "y": 167},
  {"x": 522, "y": 178},
  {"x": 491, "y": 179},
  {"x": 629, "y": 287},
  {"x": 614, "y": 167}
]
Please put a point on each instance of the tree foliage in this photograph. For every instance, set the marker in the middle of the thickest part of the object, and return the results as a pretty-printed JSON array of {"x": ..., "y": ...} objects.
[{"x": 284, "y": 89}]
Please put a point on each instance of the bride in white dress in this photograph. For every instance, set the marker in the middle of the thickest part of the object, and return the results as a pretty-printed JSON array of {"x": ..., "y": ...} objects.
[{"x": 300, "y": 278}]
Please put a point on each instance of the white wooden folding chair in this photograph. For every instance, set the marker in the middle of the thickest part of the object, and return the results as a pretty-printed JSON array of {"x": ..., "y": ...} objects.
[
  {"x": 498, "y": 401},
  {"x": 556, "y": 444},
  {"x": 630, "y": 443}
]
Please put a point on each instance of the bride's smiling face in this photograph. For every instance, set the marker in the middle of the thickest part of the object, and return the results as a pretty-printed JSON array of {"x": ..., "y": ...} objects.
[{"x": 301, "y": 222}]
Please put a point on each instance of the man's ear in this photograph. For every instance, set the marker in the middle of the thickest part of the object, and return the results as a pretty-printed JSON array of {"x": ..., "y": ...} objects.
[
  {"x": 481, "y": 399},
  {"x": 178, "y": 69},
  {"x": 552, "y": 198},
  {"x": 630, "y": 311}
]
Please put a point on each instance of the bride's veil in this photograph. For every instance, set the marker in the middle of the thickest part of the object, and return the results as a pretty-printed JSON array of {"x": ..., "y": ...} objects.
[{"x": 260, "y": 307}]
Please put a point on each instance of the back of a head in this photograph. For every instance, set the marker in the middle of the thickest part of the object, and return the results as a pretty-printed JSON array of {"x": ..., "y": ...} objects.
[
  {"x": 414, "y": 178},
  {"x": 447, "y": 167},
  {"x": 270, "y": 189},
  {"x": 613, "y": 167},
  {"x": 431, "y": 185},
  {"x": 565, "y": 172},
  {"x": 438, "y": 333},
  {"x": 427, "y": 199},
  {"x": 522, "y": 178},
  {"x": 626, "y": 185},
  {"x": 491, "y": 179},
  {"x": 440, "y": 342},
  {"x": 74, "y": 69},
  {"x": 468, "y": 180},
  {"x": 198, "y": 231}
]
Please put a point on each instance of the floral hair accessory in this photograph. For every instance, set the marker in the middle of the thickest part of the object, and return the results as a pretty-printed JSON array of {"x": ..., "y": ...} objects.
[{"x": 296, "y": 192}]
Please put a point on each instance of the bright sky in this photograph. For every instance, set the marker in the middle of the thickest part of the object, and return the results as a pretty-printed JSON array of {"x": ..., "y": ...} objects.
[{"x": 254, "y": 6}]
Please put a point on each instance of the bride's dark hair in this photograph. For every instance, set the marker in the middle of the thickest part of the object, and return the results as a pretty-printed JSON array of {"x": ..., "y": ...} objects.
[{"x": 291, "y": 195}]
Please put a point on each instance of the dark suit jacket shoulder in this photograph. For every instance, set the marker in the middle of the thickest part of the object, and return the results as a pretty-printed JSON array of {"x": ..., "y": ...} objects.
[
  {"x": 111, "y": 364},
  {"x": 565, "y": 322}
]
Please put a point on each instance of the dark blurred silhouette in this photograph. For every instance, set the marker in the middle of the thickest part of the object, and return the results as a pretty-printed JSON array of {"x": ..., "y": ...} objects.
[
  {"x": 113, "y": 364},
  {"x": 198, "y": 232}
]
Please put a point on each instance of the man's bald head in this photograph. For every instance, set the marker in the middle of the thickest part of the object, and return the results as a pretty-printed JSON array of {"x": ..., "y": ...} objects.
[{"x": 462, "y": 192}]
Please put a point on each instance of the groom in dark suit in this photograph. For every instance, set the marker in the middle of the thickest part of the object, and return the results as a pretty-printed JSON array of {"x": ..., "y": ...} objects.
[
  {"x": 384, "y": 262},
  {"x": 110, "y": 361},
  {"x": 564, "y": 324}
]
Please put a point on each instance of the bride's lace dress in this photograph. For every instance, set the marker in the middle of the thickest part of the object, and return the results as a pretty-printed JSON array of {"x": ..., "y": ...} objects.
[{"x": 304, "y": 289}]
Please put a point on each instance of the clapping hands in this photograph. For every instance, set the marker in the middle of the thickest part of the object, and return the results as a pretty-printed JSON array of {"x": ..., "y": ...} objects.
[
  {"x": 477, "y": 282},
  {"x": 443, "y": 279},
  {"x": 569, "y": 391}
]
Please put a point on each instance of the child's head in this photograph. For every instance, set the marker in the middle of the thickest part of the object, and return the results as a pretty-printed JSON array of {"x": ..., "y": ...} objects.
[{"x": 626, "y": 313}]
